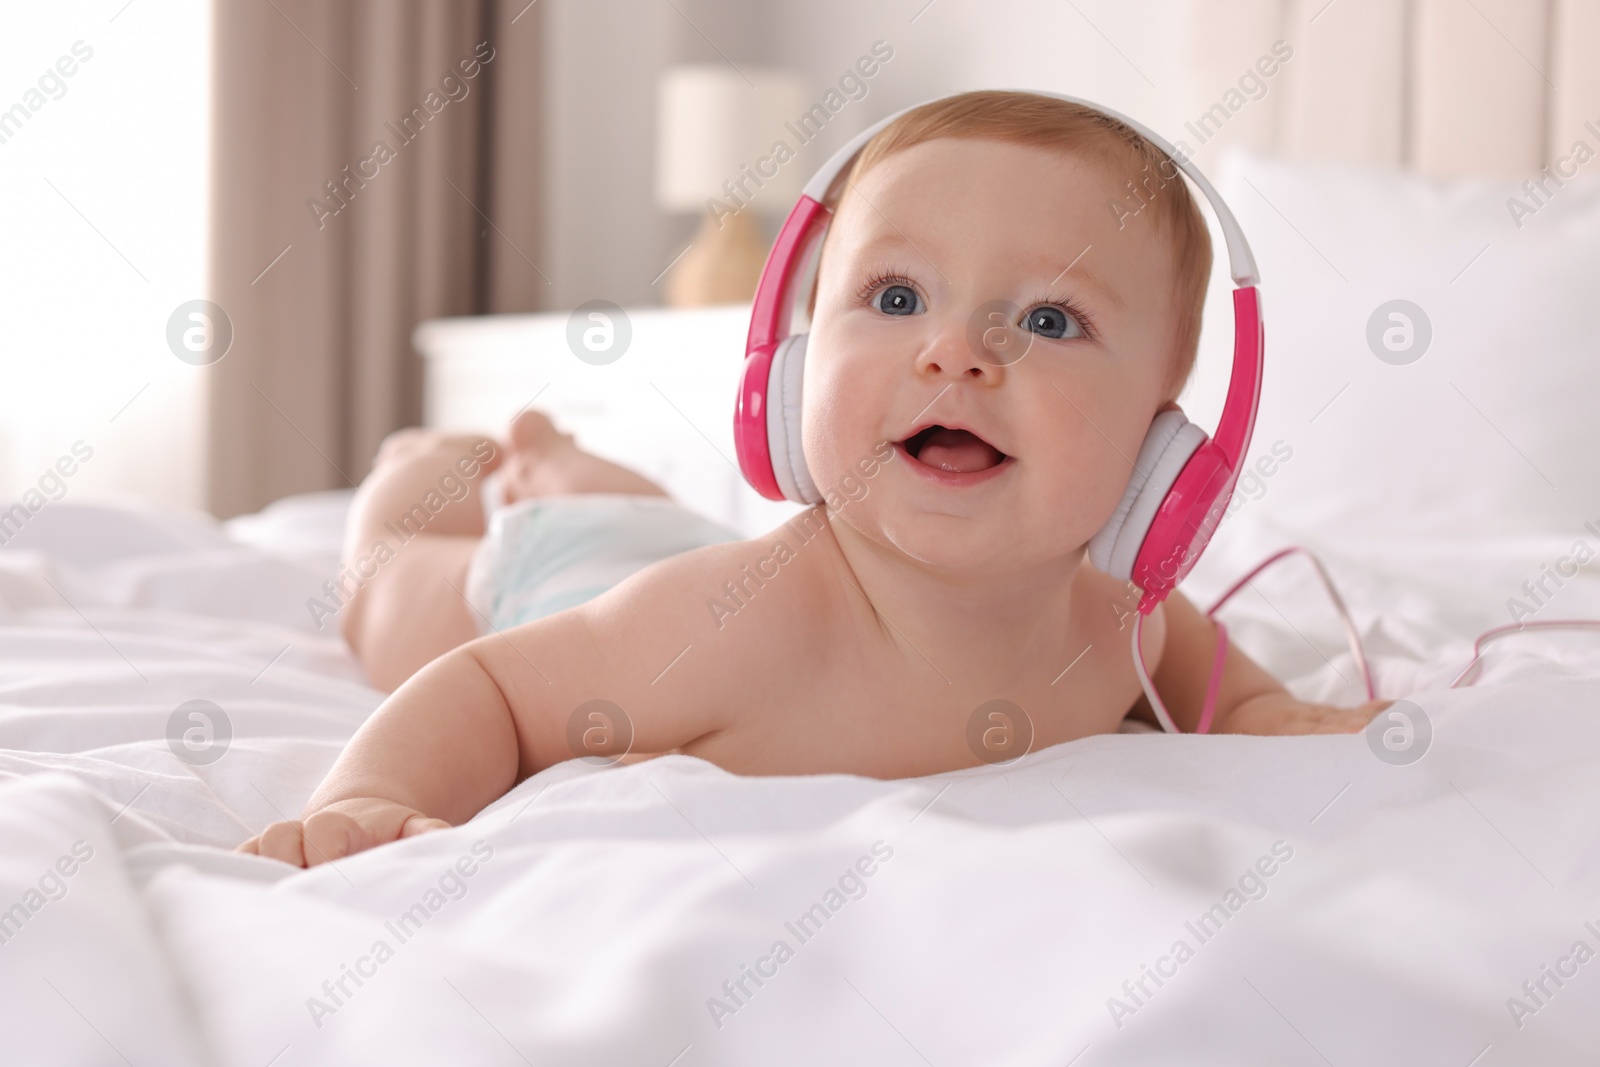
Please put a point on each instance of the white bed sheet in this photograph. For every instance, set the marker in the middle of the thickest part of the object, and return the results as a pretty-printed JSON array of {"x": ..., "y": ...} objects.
[{"x": 616, "y": 902}]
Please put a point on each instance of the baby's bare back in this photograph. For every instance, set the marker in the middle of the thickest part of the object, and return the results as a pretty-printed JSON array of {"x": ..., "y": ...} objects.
[{"x": 766, "y": 657}]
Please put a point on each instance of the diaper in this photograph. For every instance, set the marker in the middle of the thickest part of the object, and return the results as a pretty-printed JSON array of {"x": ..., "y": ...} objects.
[{"x": 551, "y": 553}]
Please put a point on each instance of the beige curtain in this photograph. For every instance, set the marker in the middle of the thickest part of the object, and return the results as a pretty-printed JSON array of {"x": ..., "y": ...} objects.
[{"x": 375, "y": 163}]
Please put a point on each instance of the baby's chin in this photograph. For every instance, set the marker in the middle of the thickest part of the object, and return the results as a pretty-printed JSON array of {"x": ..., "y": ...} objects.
[{"x": 988, "y": 542}]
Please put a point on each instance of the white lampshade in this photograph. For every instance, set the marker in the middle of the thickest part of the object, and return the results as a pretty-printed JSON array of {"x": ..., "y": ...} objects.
[{"x": 711, "y": 123}]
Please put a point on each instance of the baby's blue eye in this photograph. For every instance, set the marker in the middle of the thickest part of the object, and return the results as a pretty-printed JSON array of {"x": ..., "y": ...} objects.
[
  {"x": 1049, "y": 321},
  {"x": 896, "y": 300}
]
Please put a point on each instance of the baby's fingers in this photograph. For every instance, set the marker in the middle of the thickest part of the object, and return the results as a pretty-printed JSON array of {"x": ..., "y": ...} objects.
[
  {"x": 279, "y": 841},
  {"x": 1350, "y": 720},
  {"x": 355, "y": 826},
  {"x": 333, "y": 835},
  {"x": 1362, "y": 715},
  {"x": 421, "y": 824},
  {"x": 338, "y": 831}
]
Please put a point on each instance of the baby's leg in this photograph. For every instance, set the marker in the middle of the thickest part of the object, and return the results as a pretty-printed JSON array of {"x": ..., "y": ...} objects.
[
  {"x": 409, "y": 560},
  {"x": 414, "y": 609}
]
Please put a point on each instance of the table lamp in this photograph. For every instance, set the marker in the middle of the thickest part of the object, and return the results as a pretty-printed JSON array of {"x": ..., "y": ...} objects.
[{"x": 719, "y": 130}]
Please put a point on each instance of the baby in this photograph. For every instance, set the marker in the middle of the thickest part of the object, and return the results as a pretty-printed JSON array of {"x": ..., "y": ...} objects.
[{"x": 870, "y": 634}]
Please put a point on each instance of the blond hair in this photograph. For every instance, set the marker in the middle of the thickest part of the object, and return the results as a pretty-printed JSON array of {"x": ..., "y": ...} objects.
[{"x": 1148, "y": 174}]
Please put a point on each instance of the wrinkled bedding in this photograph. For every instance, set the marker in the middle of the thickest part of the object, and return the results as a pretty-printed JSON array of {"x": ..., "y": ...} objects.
[{"x": 1331, "y": 906}]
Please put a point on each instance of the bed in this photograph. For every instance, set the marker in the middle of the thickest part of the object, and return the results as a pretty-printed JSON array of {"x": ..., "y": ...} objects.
[{"x": 1131, "y": 898}]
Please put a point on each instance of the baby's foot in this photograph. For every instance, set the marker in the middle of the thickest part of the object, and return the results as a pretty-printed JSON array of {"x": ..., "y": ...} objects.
[
  {"x": 532, "y": 443},
  {"x": 416, "y": 467},
  {"x": 533, "y": 432},
  {"x": 540, "y": 460},
  {"x": 414, "y": 442}
]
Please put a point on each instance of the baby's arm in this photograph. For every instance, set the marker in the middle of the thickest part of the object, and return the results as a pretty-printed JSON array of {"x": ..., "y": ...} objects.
[
  {"x": 471, "y": 724},
  {"x": 1249, "y": 700}
]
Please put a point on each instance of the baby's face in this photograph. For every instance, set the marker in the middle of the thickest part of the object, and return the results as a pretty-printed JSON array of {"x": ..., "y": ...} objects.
[{"x": 1036, "y": 426}]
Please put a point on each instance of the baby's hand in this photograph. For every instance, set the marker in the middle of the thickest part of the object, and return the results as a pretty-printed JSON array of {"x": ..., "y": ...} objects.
[
  {"x": 341, "y": 829},
  {"x": 1282, "y": 714}
]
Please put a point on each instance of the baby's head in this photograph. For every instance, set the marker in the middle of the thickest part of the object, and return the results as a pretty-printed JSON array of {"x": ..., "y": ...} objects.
[{"x": 1009, "y": 291}]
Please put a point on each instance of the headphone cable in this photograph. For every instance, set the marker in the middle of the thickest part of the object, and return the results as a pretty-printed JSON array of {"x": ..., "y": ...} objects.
[{"x": 1351, "y": 634}]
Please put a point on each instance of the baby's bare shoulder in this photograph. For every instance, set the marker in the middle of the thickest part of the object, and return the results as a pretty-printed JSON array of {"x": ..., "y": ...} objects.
[
  {"x": 730, "y": 616},
  {"x": 696, "y": 645},
  {"x": 757, "y": 590}
]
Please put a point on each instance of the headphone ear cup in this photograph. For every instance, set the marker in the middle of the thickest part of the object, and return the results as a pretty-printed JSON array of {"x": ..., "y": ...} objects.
[
  {"x": 1167, "y": 446},
  {"x": 784, "y": 388}
]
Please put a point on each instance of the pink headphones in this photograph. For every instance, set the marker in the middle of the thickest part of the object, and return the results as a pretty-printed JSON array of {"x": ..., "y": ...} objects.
[{"x": 1182, "y": 479}]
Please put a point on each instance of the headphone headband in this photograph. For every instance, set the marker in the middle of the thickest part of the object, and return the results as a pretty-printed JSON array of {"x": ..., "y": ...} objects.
[{"x": 1241, "y": 263}]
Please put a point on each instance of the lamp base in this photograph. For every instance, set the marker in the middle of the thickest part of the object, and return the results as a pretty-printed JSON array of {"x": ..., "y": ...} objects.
[{"x": 722, "y": 266}]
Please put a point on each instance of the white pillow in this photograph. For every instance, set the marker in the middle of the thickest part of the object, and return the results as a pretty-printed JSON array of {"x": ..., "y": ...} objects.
[{"x": 1493, "y": 430}]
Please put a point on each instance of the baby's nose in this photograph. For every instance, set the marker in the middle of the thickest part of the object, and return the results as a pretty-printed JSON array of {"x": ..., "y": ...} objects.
[{"x": 969, "y": 353}]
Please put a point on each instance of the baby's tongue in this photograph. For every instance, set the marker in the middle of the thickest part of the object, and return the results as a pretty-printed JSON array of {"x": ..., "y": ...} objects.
[{"x": 958, "y": 451}]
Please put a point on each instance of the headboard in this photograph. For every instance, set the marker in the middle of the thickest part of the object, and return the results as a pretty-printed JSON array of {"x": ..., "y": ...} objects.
[
  {"x": 664, "y": 407},
  {"x": 1447, "y": 87}
]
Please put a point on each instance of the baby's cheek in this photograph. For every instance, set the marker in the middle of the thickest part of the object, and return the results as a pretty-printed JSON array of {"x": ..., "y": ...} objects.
[
  {"x": 1079, "y": 490},
  {"x": 830, "y": 423}
]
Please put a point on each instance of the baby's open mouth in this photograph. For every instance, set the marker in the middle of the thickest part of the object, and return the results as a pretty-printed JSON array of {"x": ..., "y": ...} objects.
[{"x": 957, "y": 451}]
